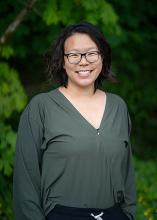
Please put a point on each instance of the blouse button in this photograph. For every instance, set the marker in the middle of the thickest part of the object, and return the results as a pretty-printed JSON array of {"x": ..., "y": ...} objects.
[{"x": 98, "y": 131}]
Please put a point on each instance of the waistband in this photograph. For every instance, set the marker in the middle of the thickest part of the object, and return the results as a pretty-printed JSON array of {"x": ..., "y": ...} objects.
[{"x": 74, "y": 211}]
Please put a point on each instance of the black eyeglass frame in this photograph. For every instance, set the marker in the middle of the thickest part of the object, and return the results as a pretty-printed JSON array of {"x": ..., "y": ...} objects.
[{"x": 82, "y": 54}]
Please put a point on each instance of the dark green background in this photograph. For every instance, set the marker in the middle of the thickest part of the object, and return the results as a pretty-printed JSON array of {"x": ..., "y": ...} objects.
[{"x": 130, "y": 28}]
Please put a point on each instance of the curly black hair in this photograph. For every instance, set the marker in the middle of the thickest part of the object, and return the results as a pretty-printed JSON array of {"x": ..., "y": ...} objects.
[{"x": 54, "y": 57}]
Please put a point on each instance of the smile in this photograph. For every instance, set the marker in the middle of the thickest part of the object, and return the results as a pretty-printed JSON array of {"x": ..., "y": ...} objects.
[{"x": 84, "y": 73}]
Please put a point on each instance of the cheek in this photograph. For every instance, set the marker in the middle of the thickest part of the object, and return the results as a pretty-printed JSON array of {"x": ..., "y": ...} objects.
[
  {"x": 101, "y": 63},
  {"x": 68, "y": 68},
  {"x": 65, "y": 65},
  {"x": 99, "y": 66}
]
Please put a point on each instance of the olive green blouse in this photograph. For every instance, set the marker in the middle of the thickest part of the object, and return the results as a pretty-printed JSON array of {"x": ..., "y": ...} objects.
[{"x": 62, "y": 159}]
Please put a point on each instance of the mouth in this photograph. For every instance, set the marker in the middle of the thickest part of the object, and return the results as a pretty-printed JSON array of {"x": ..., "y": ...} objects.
[{"x": 84, "y": 73}]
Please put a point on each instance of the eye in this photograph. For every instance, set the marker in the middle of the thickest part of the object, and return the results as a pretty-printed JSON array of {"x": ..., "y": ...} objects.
[
  {"x": 74, "y": 55},
  {"x": 93, "y": 53}
]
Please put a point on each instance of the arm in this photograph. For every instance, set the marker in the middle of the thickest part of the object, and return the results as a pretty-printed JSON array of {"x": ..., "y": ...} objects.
[
  {"x": 129, "y": 205},
  {"x": 26, "y": 179}
]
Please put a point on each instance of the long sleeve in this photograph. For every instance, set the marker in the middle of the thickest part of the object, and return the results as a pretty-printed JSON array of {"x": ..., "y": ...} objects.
[
  {"x": 129, "y": 205},
  {"x": 26, "y": 178}
]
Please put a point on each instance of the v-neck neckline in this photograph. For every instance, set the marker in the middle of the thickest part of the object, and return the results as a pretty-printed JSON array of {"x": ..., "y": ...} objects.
[{"x": 75, "y": 110}]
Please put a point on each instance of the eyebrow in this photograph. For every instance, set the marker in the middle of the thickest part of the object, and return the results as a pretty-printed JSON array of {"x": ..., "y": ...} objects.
[{"x": 86, "y": 49}]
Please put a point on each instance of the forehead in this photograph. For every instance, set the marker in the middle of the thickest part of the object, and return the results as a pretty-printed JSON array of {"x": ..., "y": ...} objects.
[{"x": 79, "y": 42}]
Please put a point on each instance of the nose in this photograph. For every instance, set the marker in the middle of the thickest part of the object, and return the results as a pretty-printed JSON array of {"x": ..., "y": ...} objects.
[{"x": 83, "y": 60}]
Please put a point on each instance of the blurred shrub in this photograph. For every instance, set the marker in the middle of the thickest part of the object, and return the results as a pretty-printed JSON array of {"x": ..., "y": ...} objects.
[
  {"x": 12, "y": 99},
  {"x": 146, "y": 179}
]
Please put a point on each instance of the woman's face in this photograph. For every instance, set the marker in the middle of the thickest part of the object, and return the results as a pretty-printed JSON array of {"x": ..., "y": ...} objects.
[{"x": 83, "y": 73}]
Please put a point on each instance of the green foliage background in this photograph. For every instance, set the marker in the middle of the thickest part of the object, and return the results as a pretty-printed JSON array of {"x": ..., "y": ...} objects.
[{"x": 129, "y": 26}]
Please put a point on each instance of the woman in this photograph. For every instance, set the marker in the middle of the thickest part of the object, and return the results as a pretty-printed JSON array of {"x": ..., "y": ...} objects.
[{"x": 73, "y": 156}]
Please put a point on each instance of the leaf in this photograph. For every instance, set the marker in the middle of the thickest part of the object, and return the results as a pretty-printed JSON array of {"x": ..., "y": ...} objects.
[
  {"x": 6, "y": 51},
  {"x": 50, "y": 14},
  {"x": 12, "y": 96}
]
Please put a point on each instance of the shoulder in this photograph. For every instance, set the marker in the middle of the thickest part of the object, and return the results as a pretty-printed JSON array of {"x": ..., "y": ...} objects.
[
  {"x": 117, "y": 101},
  {"x": 37, "y": 104},
  {"x": 41, "y": 99},
  {"x": 37, "y": 100},
  {"x": 116, "y": 98}
]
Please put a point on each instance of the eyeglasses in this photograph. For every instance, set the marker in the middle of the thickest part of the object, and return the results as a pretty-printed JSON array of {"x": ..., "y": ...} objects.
[{"x": 75, "y": 58}]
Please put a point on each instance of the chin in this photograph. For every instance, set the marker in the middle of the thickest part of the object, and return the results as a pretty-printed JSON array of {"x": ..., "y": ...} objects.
[{"x": 85, "y": 83}]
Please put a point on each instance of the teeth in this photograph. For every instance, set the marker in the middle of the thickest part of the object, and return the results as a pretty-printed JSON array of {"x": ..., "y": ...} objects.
[{"x": 84, "y": 72}]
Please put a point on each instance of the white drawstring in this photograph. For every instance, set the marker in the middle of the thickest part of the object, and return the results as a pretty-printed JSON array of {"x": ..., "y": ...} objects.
[{"x": 97, "y": 217}]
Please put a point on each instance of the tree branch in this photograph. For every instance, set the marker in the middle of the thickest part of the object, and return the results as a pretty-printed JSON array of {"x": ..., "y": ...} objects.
[{"x": 13, "y": 26}]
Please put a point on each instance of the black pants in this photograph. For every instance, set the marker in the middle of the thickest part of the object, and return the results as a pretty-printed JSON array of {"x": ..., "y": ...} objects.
[{"x": 71, "y": 213}]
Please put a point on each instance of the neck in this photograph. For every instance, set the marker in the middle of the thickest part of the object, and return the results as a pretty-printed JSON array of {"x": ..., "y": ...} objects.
[{"x": 82, "y": 92}]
